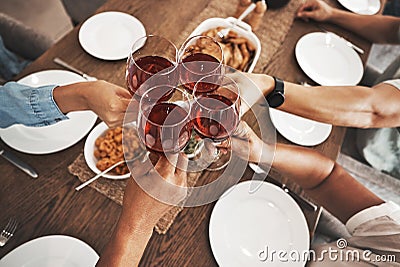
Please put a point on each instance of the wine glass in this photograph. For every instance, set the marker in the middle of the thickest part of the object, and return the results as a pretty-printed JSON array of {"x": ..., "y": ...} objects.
[
  {"x": 200, "y": 56},
  {"x": 164, "y": 124},
  {"x": 151, "y": 54},
  {"x": 216, "y": 115}
]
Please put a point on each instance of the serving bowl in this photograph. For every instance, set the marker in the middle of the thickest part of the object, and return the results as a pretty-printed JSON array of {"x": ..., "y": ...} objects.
[{"x": 241, "y": 28}]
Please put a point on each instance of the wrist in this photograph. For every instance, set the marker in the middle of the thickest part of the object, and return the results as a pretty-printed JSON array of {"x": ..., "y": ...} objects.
[
  {"x": 69, "y": 98},
  {"x": 146, "y": 214},
  {"x": 265, "y": 157},
  {"x": 84, "y": 93},
  {"x": 128, "y": 227},
  {"x": 269, "y": 84},
  {"x": 335, "y": 16}
]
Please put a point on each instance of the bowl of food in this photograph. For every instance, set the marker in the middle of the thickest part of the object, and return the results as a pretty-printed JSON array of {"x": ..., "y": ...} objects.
[
  {"x": 241, "y": 46},
  {"x": 104, "y": 147}
]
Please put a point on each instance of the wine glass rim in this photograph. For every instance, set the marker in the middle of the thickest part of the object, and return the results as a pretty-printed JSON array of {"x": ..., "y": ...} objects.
[
  {"x": 163, "y": 72},
  {"x": 202, "y": 95},
  {"x": 182, "y": 49},
  {"x": 153, "y": 104}
]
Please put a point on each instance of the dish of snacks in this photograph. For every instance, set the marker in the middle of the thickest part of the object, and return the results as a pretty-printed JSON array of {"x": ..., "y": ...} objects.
[
  {"x": 104, "y": 147},
  {"x": 241, "y": 46},
  {"x": 238, "y": 51}
]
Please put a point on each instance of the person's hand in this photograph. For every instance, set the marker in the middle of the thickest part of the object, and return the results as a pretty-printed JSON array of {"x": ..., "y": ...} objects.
[
  {"x": 315, "y": 9},
  {"x": 163, "y": 182},
  {"x": 107, "y": 100},
  {"x": 252, "y": 87},
  {"x": 141, "y": 211},
  {"x": 247, "y": 145}
]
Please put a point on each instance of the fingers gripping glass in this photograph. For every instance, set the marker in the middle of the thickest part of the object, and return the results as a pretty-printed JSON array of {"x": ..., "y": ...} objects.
[{"x": 216, "y": 115}]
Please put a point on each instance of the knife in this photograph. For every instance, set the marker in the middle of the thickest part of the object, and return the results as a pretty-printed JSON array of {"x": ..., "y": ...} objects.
[
  {"x": 64, "y": 64},
  {"x": 19, "y": 163},
  {"x": 306, "y": 203},
  {"x": 348, "y": 43}
]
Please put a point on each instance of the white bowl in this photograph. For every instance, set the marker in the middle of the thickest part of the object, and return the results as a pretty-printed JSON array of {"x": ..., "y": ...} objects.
[
  {"x": 89, "y": 148},
  {"x": 241, "y": 28}
]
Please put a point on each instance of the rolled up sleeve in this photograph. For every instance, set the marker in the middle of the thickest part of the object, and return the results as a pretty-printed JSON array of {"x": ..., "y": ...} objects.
[{"x": 21, "y": 104}]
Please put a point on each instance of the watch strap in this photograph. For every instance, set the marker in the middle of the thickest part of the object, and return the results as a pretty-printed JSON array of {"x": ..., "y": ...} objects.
[
  {"x": 279, "y": 85},
  {"x": 276, "y": 97}
]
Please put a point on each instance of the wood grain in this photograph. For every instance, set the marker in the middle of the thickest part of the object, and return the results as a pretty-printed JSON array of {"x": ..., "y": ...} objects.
[{"x": 50, "y": 205}]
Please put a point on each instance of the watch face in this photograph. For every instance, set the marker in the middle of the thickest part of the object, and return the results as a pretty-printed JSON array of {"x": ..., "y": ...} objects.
[{"x": 276, "y": 100}]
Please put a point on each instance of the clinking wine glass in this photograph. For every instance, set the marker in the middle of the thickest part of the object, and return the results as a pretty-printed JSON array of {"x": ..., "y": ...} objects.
[
  {"x": 200, "y": 56},
  {"x": 151, "y": 55},
  {"x": 164, "y": 124},
  {"x": 216, "y": 115}
]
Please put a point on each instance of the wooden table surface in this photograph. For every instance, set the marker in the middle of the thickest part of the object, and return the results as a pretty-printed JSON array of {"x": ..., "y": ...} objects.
[{"x": 49, "y": 205}]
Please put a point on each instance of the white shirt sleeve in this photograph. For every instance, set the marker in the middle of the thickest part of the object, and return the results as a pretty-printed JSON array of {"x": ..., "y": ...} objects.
[
  {"x": 395, "y": 83},
  {"x": 389, "y": 209}
]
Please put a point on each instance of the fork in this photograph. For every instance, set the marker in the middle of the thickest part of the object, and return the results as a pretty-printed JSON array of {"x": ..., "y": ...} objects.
[
  {"x": 222, "y": 33},
  {"x": 8, "y": 231},
  {"x": 98, "y": 175}
]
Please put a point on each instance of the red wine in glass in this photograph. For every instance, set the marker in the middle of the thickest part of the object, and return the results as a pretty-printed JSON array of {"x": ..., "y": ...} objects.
[
  {"x": 142, "y": 68},
  {"x": 215, "y": 117},
  {"x": 165, "y": 127},
  {"x": 196, "y": 66}
]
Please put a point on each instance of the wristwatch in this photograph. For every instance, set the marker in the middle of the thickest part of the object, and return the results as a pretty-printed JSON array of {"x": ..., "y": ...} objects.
[{"x": 276, "y": 97}]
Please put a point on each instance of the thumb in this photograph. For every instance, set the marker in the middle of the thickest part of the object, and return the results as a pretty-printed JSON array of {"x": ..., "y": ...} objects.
[
  {"x": 243, "y": 131},
  {"x": 124, "y": 93},
  {"x": 306, "y": 14}
]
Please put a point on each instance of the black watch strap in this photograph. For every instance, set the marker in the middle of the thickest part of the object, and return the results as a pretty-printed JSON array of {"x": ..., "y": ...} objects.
[
  {"x": 279, "y": 85},
  {"x": 277, "y": 96}
]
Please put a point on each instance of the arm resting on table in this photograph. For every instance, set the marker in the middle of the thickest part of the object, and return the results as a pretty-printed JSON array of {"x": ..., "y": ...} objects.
[
  {"x": 324, "y": 180},
  {"x": 376, "y": 28}
]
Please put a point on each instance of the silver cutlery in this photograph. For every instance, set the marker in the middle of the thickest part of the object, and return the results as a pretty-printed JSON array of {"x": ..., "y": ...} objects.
[
  {"x": 348, "y": 43},
  {"x": 305, "y": 202},
  {"x": 71, "y": 68},
  {"x": 91, "y": 180},
  {"x": 8, "y": 231},
  {"x": 18, "y": 163},
  {"x": 222, "y": 33}
]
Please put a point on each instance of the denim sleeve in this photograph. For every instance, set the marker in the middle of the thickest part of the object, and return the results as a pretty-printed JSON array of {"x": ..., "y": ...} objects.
[{"x": 21, "y": 104}]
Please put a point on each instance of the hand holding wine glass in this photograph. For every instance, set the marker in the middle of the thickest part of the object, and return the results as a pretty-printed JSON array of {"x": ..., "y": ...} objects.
[{"x": 216, "y": 114}]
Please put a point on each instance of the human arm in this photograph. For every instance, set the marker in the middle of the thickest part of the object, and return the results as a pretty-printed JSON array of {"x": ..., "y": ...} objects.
[
  {"x": 47, "y": 105},
  {"x": 352, "y": 106},
  {"x": 320, "y": 177},
  {"x": 140, "y": 211},
  {"x": 375, "y": 28},
  {"x": 107, "y": 100}
]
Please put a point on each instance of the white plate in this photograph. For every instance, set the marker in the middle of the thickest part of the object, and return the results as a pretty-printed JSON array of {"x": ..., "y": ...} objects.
[
  {"x": 56, "y": 137},
  {"x": 363, "y": 7},
  {"x": 49, "y": 251},
  {"x": 299, "y": 130},
  {"x": 327, "y": 59},
  {"x": 242, "y": 224},
  {"x": 110, "y": 35},
  {"x": 89, "y": 150}
]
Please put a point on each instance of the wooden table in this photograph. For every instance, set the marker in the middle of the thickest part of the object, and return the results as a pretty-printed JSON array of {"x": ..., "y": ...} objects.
[{"x": 50, "y": 205}]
